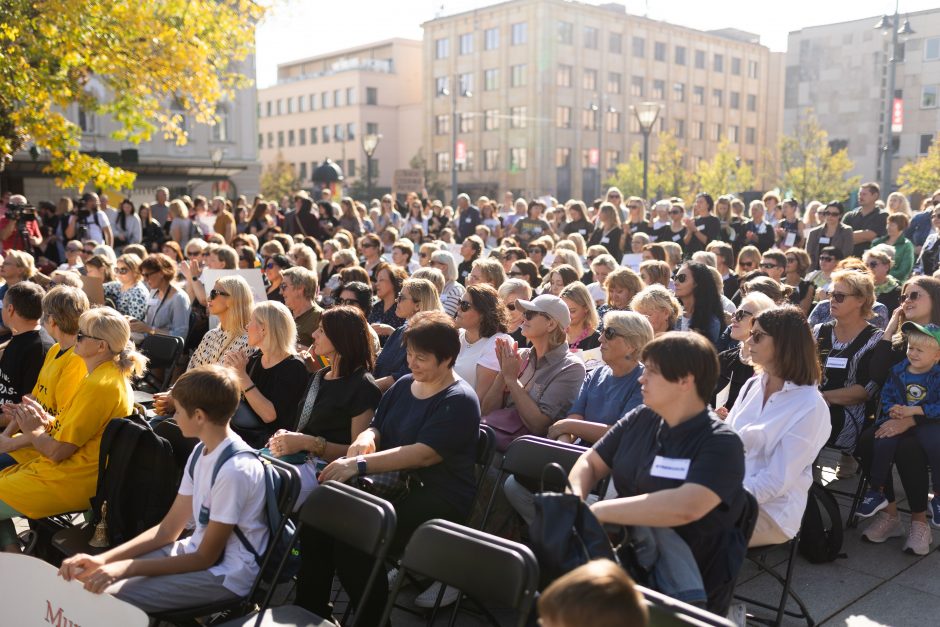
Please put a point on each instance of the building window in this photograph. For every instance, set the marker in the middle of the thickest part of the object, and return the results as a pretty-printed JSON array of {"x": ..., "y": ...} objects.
[
  {"x": 465, "y": 83},
  {"x": 372, "y": 95},
  {"x": 678, "y": 128},
  {"x": 589, "y": 81},
  {"x": 750, "y": 135},
  {"x": 467, "y": 162},
  {"x": 698, "y": 130},
  {"x": 338, "y": 134},
  {"x": 441, "y": 48},
  {"x": 517, "y": 117},
  {"x": 735, "y": 100},
  {"x": 313, "y": 102},
  {"x": 351, "y": 167},
  {"x": 518, "y": 76},
  {"x": 659, "y": 89},
  {"x": 517, "y": 159},
  {"x": 442, "y": 124},
  {"x": 590, "y": 37},
  {"x": 639, "y": 47},
  {"x": 301, "y": 104},
  {"x": 613, "y": 82},
  {"x": 302, "y": 137},
  {"x": 736, "y": 66},
  {"x": 220, "y": 128},
  {"x": 699, "y": 59},
  {"x": 716, "y": 132},
  {"x": 490, "y": 79},
  {"x": 291, "y": 138},
  {"x": 270, "y": 139},
  {"x": 680, "y": 55},
  {"x": 351, "y": 130},
  {"x": 752, "y": 102},
  {"x": 659, "y": 51},
  {"x": 678, "y": 92},
  {"x": 440, "y": 85},
  {"x": 491, "y": 119},
  {"x": 325, "y": 100},
  {"x": 563, "y": 117},
  {"x": 611, "y": 159},
  {"x": 337, "y": 97},
  {"x": 466, "y": 44},
  {"x": 313, "y": 135},
  {"x": 698, "y": 95},
  {"x": 372, "y": 128},
  {"x": 589, "y": 119},
  {"x": 350, "y": 96},
  {"x": 615, "y": 43},
  {"x": 490, "y": 159},
  {"x": 466, "y": 123},
  {"x": 325, "y": 131},
  {"x": 280, "y": 107},
  {"x": 717, "y": 98},
  {"x": 443, "y": 161},
  {"x": 280, "y": 139},
  {"x": 928, "y": 97},
  {"x": 303, "y": 171},
  {"x": 565, "y": 33},
  {"x": 926, "y": 141},
  {"x": 563, "y": 75},
  {"x": 634, "y": 124},
  {"x": 752, "y": 68},
  {"x": 260, "y": 141},
  {"x": 734, "y": 134},
  {"x": 718, "y": 63},
  {"x": 491, "y": 39},
  {"x": 268, "y": 107},
  {"x": 520, "y": 34},
  {"x": 613, "y": 121},
  {"x": 636, "y": 86},
  {"x": 563, "y": 157}
]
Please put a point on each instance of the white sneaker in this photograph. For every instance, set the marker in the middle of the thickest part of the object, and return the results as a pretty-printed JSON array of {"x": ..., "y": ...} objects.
[
  {"x": 883, "y": 527},
  {"x": 919, "y": 539},
  {"x": 848, "y": 467},
  {"x": 427, "y": 598},
  {"x": 392, "y": 574}
]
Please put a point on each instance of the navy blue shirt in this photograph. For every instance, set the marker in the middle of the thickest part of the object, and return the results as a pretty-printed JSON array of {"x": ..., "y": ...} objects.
[
  {"x": 393, "y": 360},
  {"x": 448, "y": 422}
]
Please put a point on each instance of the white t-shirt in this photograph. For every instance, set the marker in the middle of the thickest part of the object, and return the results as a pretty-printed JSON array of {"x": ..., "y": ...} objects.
[
  {"x": 236, "y": 498},
  {"x": 482, "y": 353}
]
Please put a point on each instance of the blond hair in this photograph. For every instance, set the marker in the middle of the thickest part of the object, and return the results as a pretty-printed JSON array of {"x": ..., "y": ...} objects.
[
  {"x": 423, "y": 293},
  {"x": 241, "y": 300},
  {"x": 861, "y": 284},
  {"x": 280, "y": 332},
  {"x": 578, "y": 293},
  {"x": 658, "y": 297},
  {"x": 112, "y": 328}
]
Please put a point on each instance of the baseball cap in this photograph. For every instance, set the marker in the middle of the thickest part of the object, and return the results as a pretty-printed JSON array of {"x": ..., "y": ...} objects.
[
  {"x": 927, "y": 329},
  {"x": 552, "y": 306}
]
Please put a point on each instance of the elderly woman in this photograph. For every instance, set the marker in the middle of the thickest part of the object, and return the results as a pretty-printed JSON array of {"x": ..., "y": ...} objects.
[
  {"x": 736, "y": 367},
  {"x": 510, "y": 292},
  {"x": 621, "y": 286},
  {"x": 388, "y": 284},
  {"x": 167, "y": 306},
  {"x": 903, "y": 248},
  {"x": 887, "y": 289},
  {"x": 781, "y": 419},
  {"x": 481, "y": 320},
  {"x": 453, "y": 291},
  {"x": 659, "y": 306},
  {"x": 426, "y": 426},
  {"x": 61, "y": 476},
  {"x": 128, "y": 293},
  {"x": 272, "y": 378},
  {"x": 17, "y": 266},
  {"x": 582, "y": 333},
  {"x": 416, "y": 295},
  {"x": 698, "y": 292},
  {"x": 538, "y": 382},
  {"x": 486, "y": 271},
  {"x": 700, "y": 510}
]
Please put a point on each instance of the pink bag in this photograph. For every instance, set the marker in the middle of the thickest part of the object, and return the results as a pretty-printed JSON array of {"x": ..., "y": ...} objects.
[{"x": 507, "y": 424}]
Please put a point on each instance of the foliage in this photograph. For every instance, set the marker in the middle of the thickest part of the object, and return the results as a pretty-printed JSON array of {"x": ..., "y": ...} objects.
[
  {"x": 278, "y": 179},
  {"x": 922, "y": 175},
  {"x": 810, "y": 169},
  {"x": 629, "y": 175},
  {"x": 725, "y": 173},
  {"x": 141, "y": 64},
  {"x": 668, "y": 174}
]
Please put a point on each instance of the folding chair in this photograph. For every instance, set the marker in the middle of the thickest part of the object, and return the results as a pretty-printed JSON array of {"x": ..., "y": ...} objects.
[
  {"x": 262, "y": 587},
  {"x": 664, "y": 611},
  {"x": 350, "y": 516},
  {"x": 491, "y": 571},
  {"x": 162, "y": 351},
  {"x": 758, "y": 557}
]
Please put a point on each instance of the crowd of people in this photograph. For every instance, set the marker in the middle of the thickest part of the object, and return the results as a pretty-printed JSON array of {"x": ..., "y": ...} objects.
[{"x": 704, "y": 355}]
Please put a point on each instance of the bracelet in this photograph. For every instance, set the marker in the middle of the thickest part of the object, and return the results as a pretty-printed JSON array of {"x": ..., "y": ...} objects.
[
  {"x": 320, "y": 443},
  {"x": 249, "y": 389}
]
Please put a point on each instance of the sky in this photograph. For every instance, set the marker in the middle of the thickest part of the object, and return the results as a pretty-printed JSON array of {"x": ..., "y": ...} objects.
[{"x": 303, "y": 28}]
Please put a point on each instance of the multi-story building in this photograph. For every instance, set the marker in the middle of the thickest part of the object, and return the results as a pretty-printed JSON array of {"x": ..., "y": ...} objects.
[
  {"x": 551, "y": 83},
  {"x": 322, "y": 107},
  {"x": 216, "y": 160},
  {"x": 840, "y": 72}
]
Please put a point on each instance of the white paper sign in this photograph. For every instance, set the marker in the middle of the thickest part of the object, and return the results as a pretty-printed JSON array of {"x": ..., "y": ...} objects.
[
  {"x": 670, "y": 468},
  {"x": 632, "y": 261},
  {"x": 790, "y": 239},
  {"x": 592, "y": 357},
  {"x": 252, "y": 275},
  {"x": 548, "y": 259}
]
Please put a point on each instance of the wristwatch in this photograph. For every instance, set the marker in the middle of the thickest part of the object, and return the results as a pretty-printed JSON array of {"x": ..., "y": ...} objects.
[{"x": 361, "y": 465}]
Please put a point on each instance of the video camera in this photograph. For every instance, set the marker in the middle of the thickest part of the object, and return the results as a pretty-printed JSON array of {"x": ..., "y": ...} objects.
[{"x": 21, "y": 213}]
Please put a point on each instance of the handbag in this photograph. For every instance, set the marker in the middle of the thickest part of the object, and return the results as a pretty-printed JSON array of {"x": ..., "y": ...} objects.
[
  {"x": 393, "y": 486},
  {"x": 246, "y": 421},
  {"x": 507, "y": 424},
  {"x": 565, "y": 533}
]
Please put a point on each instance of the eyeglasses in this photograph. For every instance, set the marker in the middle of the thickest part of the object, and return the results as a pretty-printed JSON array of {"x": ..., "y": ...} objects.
[
  {"x": 401, "y": 296},
  {"x": 636, "y": 206},
  {"x": 147, "y": 275},
  {"x": 465, "y": 306},
  {"x": 84, "y": 336},
  {"x": 535, "y": 251},
  {"x": 88, "y": 252},
  {"x": 873, "y": 264},
  {"x": 740, "y": 315},
  {"x": 839, "y": 297},
  {"x": 675, "y": 212},
  {"x": 746, "y": 264},
  {"x": 610, "y": 334},
  {"x": 757, "y": 335},
  {"x": 826, "y": 258},
  {"x": 122, "y": 270},
  {"x": 529, "y": 314},
  {"x": 515, "y": 273},
  {"x": 682, "y": 278},
  {"x": 423, "y": 255},
  {"x": 192, "y": 254},
  {"x": 213, "y": 293},
  {"x": 511, "y": 306},
  {"x": 369, "y": 245},
  {"x": 830, "y": 214},
  {"x": 351, "y": 302},
  {"x": 269, "y": 265},
  {"x": 768, "y": 266},
  {"x": 911, "y": 296}
]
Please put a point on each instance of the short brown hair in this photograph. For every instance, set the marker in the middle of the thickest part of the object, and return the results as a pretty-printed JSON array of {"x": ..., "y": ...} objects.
[
  {"x": 899, "y": 220},
  {"x": 656, "y": 250},
  {"x": 158, "y": 262},
  {"x": 872, "y": 187},
  {"x": 599, "y": 593},
  {"x": 433, "y": 332},
  {"x": 493, "y": 315},
  {"x": 212, "y": 388},
  {"x": 788, "y": 327},
  {"x": 678, "y": 354},
  {"x": 64, "y": 305}
]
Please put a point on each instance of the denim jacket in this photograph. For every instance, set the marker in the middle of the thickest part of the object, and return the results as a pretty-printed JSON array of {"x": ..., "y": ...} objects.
[{"x": 894, "y": 393}]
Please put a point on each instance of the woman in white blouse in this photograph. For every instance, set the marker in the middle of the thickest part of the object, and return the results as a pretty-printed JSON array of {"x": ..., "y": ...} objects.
[
  {"x": 481, "y": 319},
  {"x": 783, "y": 421}
]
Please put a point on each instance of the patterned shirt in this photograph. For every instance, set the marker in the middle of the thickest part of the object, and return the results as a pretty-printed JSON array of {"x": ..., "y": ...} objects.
[
  {"x": 215, "y": 344},
  {"x": 132, "y": 302}
]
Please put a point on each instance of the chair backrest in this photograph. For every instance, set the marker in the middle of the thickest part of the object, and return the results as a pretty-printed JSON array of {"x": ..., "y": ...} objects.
[
  {"x": 665, "y": 611},
  {"x": 352, "y": 516},
  {"x": 161, "y": 350},
  {"x": 490, "y": 570},
  {"x": 485, "y": 445},
  {"x": 528, "y": 455}
]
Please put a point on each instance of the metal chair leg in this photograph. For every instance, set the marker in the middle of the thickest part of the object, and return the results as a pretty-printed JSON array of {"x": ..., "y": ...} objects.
[{"x": 786, "y": 594}]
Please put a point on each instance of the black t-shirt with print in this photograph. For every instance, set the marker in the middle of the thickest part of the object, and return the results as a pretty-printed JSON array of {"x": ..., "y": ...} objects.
[{"x": 20, "y": 365}]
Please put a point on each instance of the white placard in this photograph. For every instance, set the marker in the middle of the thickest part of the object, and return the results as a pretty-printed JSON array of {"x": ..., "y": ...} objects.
[
  {"x": 548, "y": 259},
  {"x": 252, "y": 275},
  {"x": 592, "y": 357},
  {"x": 632, "y": 261}
]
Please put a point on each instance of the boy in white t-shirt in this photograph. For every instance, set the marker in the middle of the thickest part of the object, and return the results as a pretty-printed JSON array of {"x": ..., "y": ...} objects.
[{"x": 155, "y": 571}]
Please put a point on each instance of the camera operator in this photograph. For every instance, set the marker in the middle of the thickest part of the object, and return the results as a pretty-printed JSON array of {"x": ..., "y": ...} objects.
[
  {"x": 18, "y": 220},
  {"x": 90, "y": 222}
]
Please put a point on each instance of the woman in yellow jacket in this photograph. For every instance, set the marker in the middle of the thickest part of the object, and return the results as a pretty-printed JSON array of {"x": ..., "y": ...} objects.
[{"x": 62, "y": 477}]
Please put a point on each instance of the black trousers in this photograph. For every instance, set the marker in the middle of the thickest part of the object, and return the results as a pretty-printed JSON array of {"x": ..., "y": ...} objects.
[{"x": 911, "y": 462}]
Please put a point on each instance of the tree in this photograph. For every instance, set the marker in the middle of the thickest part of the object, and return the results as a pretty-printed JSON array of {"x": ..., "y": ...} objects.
[
  {"x": 725, "y": 173},
  {"x": 278, "y": 179},
  {"x": 810, "y": 168},
  {"x": 922, "y": 175},
  {"x": 668, "y": 175},
  {"x": 142, "y": 64},
  {"x": 628, "y": 177}
]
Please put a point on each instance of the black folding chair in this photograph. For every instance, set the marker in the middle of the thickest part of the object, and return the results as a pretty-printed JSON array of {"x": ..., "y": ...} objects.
[
  {"x": 758, "y": 557},
  {"x": 162, "y": 351},
  {"x": 350, "y": 516},
  {"x": 664, "y": 611},
  {"x": 491, "y": 571},
  {"x": 262, "y": 587}
]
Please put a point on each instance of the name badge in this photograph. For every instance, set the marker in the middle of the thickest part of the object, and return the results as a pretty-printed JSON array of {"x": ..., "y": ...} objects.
[
  {"x": 762, "y": 228},
  {"x": 677, "y": 237},
  {"x": 633, "y": 229},
  {"x": 790, "y": 239},
  {"x": 605, "y": 240},
  {"x": 153, "y": 301},
  {"x": 837, "y": 362},
  {"x": 468, "y": 220},
  {"x": 670, "y": 468},
  {"x": 701, "y": 227},
  {"x": 582, "y": 231},
  {"x": 823, "y": 240}
]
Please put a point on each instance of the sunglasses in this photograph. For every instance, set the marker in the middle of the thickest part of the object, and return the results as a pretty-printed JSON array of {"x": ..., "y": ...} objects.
[
  {"x": 839, "y": 297},
  {"x": 610, "y": 334},
  {"x": 791, "y": 259},
  {"x": 269, "y": 265},
  {"x": 682, "y": 278},
  {"x": 401, "y": 296},
  {"x": 147, "y": 275},
  {"x": 757, "y": 335},
  {"x": 370, "y": 245},
  {"x": 213, "y": 293},
  {"x": 83, "y": 336},
  {"x": 464, "y": 306},
  {"x": 351, "y": 302},
  {"x": 511, "y": 306},
  {"x": 675, "y": 213},
  {"x": 826, "y": 258},
  {"x": 423, "y": 255},
  {"x": 746, "y": 264},
  {"x": 122, "y": 270},
  {"x": 830, "y": 214},
  {"x": 873, "y": 264},
  {"x": 88, "y": 252},
  {"x": 529, "y": 314},
  {"x": 911, "y": 296},
  {"x": 535, "y": 251},
  {"x": 740, "y": 315},
  {"x": 514, "y": 273},
  {"x": 768, "y": 266}
]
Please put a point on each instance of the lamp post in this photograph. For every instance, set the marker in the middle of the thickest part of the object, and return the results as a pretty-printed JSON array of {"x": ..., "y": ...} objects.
[
  {"x": 646, "y": 115},
  {"x": 370, "y": 142},
  {"x": 897, "y": 29},
  {"x": 466, "y": 93}
]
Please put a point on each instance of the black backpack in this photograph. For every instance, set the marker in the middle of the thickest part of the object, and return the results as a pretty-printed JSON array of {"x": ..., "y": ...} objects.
[
  {"x": 821, "y": 529},
  {"x": 137, "y": 477}
]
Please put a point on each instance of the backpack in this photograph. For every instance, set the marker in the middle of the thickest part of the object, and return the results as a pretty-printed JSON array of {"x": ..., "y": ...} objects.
[
  {"x": 283, "y": 550},
  {"x": 137, "y": 478},
  {"x": 821, "y": 529}
]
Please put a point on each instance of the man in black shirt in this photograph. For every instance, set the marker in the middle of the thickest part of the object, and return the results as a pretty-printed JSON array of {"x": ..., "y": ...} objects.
[
  {"x": 867, "y": 220},
  {"x": 24, "y": 355},
  {"x": 704, "y": 228}
]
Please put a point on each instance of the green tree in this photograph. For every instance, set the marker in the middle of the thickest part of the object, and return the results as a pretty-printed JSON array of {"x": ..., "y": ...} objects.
[
  {"x": 725, "y": 173},
  {"x": 810, "y": 169},
  {"x": 278, "y": 179},
  {"x": 628, "y": 176},
  {"x": 922, "y": 175},
  {"x": 141, "y": 64},
  {"x": 668, "y": 175}
]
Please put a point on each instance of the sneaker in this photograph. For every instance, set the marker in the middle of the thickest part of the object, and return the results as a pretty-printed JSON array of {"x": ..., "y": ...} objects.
[
  {"x": 428, "y": 598},
  {"x": 934, "y": 511},
  {"x": 919, "y": 539},
  {"x": 873, "y": 503},
  {"x": 737, "y": 614},
  {"x": 848, "y": 467},
  {"x": 392, "y": 575},
  {"x": 883, "y": 527}
]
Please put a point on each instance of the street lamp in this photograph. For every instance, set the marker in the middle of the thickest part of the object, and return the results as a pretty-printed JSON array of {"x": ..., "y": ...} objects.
[
  {"x": 370, "y": 142},
  {"x": 646, "y": 115},
  {"x": 466, "y": 93},
  {"x": 892, "y": 23}
]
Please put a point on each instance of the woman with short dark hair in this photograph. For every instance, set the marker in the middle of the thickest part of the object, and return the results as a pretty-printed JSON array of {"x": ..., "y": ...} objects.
[
  {"x": 481, "y": 320},
  {"x": 167, "y": 306},
  {"x": 416, "y": 295},
  {"x": 388, "y": 284}
]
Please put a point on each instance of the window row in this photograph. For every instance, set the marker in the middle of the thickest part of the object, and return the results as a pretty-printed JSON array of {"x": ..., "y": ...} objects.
[
  {"x": 518, "y": 35},
  {"x": 518, "y": 160},
  {"x": 314, "y": 135},
  {"x": 314, "y": 102}
]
